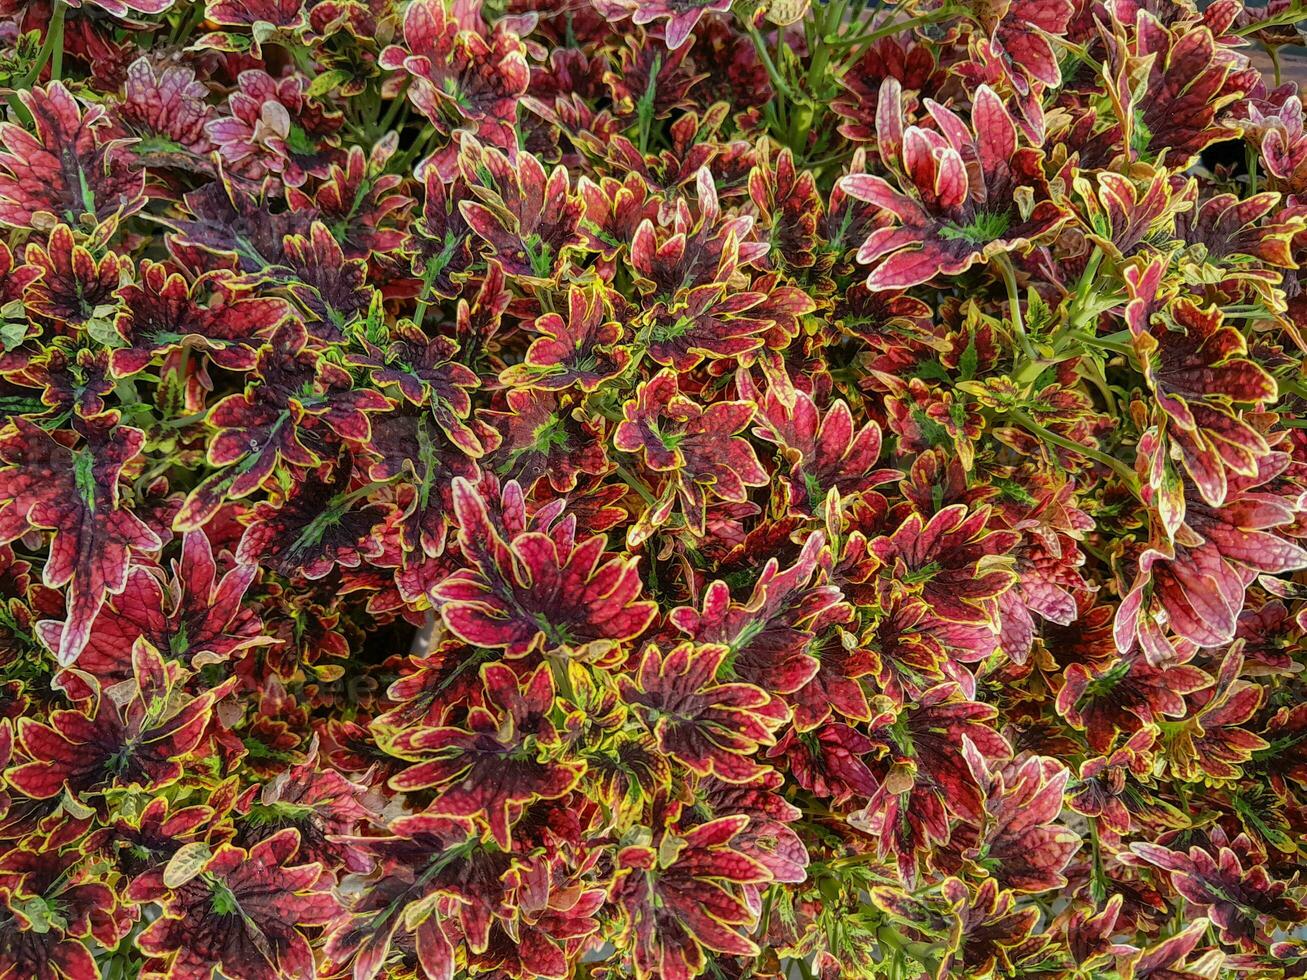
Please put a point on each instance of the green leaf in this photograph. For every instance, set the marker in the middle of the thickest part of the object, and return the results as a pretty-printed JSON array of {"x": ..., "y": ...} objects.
[
  {"x": 969, "y": 360},
  {"x": 75, "y": 808},
  {"x": 38, "y": 913},
  {"x": 12, "y": 334},
  {"x": 100, "y": 327},
  {"x": 189, "y": 861},
  {"x": 328, "y": 80}
]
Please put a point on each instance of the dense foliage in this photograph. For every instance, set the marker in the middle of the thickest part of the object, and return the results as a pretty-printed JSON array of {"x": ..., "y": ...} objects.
[{"x": 849, "y": 466}]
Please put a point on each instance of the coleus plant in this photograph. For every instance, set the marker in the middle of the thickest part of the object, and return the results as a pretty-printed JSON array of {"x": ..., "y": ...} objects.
[{"x": 643, "y": 488}]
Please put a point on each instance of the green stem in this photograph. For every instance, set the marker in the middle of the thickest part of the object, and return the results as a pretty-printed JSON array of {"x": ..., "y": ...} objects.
[
  {"x": 826, "y": 161},
  {"x": 1082, "y": 54},
  {"x": 1014, "y": 301},
  {"x": 345, "y": 500},
  {"x": 764, "y": 56},
  {"x": 1099, "y": 380},
  {"x": 185, "y": 420},
  {"x": 827, "y": 19},
  {"x": 922, "y": 953},
  {"x": 443, "y": 860},
  {"x": 636, "y": 484},
  {"x": 1121, "y": 339},
  {"x": 1292, "y": 386},
  {"x": 57, "y": 29},
  {"x": 397, "y": 104},
  {"x": 1104, "y": 343},
  {"x": 187, "y": 22},
  {"x": 764, "y": 919},
  {"x": 424, "y": 298},
  {"x": 885, "y": 30},
  {"x": 1118, "y": 467},
  {"x": 159, "y": 468},
  {"x": 644, "y": 108},
  {"x": 1086, "y": 280},
  {"x": 1098, "y": 883},
  {"x": 1030, "y": 370},
  {"x": 409, "y": 158},
  {"x": 52, "y": 46},
  {"x": 558, "y": 667},
  {"x": 301, "y": 56},
  {"x": 826, "y": 22},
  {"x": 1293, "y": 14}
]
